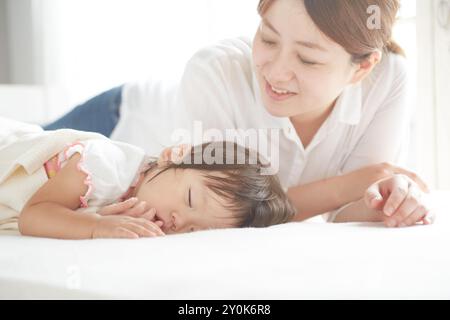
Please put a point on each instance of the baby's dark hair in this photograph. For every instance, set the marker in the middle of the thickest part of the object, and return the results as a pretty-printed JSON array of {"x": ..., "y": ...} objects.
[{"x": 255, "y": 197}]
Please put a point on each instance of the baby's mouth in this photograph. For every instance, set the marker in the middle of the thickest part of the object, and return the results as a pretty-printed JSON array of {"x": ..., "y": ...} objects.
[{"x": 157, "y": 218}]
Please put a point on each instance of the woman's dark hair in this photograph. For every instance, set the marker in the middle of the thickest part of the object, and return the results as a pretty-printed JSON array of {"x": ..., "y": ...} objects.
[
  {"x": 237, "y": 175},
  {"x": 345, "y": 22}
]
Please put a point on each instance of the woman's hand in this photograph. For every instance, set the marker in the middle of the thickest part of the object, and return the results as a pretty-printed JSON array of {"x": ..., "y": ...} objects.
[
  {"x": 336, "y": 192},
  {"x": 401, "y": 201},
  {"x": 385, "y": 169},
  {"x": 174, "y": 154},
  {"x": 120, "y": 226},
  {"x": 352, "y": 186}
]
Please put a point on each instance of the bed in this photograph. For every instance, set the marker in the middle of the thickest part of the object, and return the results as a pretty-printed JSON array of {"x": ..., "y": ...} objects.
[{"x": 307, "y": 260}]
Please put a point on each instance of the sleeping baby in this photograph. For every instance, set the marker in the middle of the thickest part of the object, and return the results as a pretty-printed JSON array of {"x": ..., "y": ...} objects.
[{"x": 69, "y": 184}]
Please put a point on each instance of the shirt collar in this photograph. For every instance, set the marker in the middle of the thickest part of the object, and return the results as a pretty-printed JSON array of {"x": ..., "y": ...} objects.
[{"x": 349, "y": 105}]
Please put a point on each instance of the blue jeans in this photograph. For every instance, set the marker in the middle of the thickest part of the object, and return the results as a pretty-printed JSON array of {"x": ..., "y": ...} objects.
[{"x": 99, "y": 114}]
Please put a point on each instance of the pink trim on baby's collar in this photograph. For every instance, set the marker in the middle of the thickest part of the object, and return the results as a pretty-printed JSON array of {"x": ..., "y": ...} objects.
[{"x": 80, "y": 166}]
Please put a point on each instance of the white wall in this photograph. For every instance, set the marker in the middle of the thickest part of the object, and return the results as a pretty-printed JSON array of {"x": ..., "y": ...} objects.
[
  {"x": 4, "y": 46},
  {"x": 21, "y": 41},
  {"x": 92, "y": 45}
]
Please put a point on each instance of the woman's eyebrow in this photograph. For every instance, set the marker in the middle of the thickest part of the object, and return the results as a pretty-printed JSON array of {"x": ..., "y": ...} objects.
[
  {"x": 307, "y": 44},
  {"x": 311, "y": 45},
  {"x": 270, "y": 26}
]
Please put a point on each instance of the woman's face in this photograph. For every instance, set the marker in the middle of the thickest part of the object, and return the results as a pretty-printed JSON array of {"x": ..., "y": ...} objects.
[
  {"x": 291, "y": 54},
  {"x": 183, "y": 202}
]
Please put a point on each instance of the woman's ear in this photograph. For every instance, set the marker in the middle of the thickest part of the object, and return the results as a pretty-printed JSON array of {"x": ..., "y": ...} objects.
[{"x": 364, "y": 68}]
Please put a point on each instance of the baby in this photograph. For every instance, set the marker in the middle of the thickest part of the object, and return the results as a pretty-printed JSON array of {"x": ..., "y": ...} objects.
[{"x": 99, "y": 188}]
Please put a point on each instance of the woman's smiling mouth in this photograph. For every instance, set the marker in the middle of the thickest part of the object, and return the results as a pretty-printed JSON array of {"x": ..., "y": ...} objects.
[{"x": 277, "y": 94}]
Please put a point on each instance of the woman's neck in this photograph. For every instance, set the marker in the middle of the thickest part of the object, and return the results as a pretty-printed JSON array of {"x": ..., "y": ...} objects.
[{"x": 308, "y": 124}]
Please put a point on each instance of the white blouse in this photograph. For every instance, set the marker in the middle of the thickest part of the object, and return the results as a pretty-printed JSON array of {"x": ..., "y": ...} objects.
[
  {"x": 369, "y": 123},
  {"x": 111, "y": 169}
]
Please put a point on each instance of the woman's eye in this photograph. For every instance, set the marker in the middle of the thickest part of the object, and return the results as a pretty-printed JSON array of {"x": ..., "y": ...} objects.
[
  {"x": 268, "y": 43},
  {"x": 310, "y": 63}
]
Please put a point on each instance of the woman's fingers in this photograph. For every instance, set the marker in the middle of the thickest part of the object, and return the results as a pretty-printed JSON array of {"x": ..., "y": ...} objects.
[
  {"x": 117, "y": 208},
  {"x": 400, "y": 198},
  {"x": 373, "y": 197},
  {"x": 430, "y": 216},
  {"x": 174, "y": 154},
  {"x": 413, "y": 176},
  {"x": 409, "y": 203},
  {"x": 416, "y": 216},
  {"x": 179, "y": 152},
  {"x": 397, "y": 188},
  {"x": 165, "y": 155}
]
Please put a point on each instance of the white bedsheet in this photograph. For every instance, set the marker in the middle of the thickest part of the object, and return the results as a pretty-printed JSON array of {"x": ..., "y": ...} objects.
[{"x": 293, "y": 261}]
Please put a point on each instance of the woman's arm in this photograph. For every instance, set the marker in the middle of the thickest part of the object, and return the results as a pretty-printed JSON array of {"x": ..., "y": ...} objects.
[
  {"x": 358, "y": 211},
  {"x": 333, "y": 193},
  {"x": 51, "y": 210},
  {"x": 330, "y": 194}
]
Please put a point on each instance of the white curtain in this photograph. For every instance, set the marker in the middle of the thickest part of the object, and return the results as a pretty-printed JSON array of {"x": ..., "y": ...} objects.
[
  {"x": 442, "y": 67},
  {"x": 433, "y": 91},
  {"x": 92, "y": 45}
]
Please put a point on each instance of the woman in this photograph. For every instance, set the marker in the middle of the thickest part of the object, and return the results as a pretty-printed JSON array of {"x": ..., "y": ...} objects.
[{"x": 316, "y": 69}]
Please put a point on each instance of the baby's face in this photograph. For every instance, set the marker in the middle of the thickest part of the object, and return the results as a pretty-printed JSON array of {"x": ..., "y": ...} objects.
[{"x": 183, "y": 202}]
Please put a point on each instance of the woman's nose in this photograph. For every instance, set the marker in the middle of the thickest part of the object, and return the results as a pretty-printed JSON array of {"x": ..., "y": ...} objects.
[{"x": 280, "y": 72}]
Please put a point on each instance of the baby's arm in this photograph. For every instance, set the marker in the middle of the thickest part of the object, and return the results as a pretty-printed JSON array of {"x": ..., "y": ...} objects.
[{"x": 51, "y": 210}]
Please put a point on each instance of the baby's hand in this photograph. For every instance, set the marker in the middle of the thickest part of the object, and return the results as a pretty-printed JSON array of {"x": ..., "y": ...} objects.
[
  {"x": 130, "y": 207},
  {"x": 120, "y": 226},
  {"x": 174, "y": 154},
  {"x": 400, "y": 200},
  {"x": 131, "y": 211}
]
